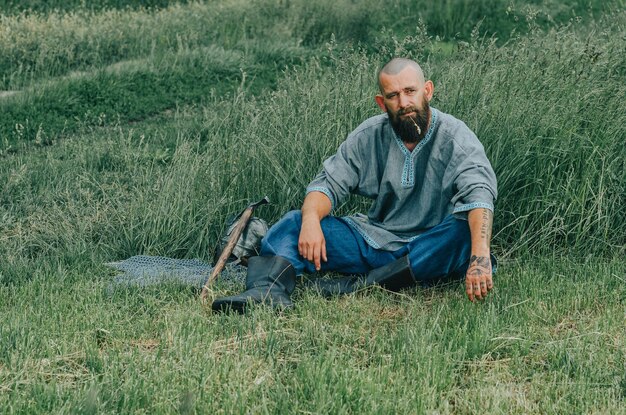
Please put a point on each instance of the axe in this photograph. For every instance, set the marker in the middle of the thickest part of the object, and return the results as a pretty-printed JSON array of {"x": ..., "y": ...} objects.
[{"x": 232, "y": 241}]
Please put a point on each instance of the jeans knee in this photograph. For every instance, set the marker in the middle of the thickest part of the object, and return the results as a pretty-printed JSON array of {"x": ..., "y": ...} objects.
[
  {"x": 292, "y": 216},
  {"x": 283, "y": 235},
  {"x": 289, "y": 224}
]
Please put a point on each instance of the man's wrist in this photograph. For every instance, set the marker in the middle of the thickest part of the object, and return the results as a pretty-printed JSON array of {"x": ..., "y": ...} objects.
[
  {"x": 310, "y": 218},
  {"x": 480, "y": 251}
]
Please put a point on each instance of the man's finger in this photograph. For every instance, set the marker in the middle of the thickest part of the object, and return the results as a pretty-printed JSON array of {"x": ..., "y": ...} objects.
[
  {"x": 489, "y": 282},
  {"x": 324, "y": 251},
  {"x": 469, "y": 290},
  {"x": 477, "y": 293},
  {"x": 316, "y": 257},
  {"x": 483, "y": 288}
]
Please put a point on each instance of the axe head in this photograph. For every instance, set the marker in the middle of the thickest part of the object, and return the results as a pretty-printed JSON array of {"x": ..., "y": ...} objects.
[{"x": 263, "y": 201}]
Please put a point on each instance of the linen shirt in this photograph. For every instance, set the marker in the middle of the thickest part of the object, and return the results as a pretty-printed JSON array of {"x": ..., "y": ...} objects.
[{"x": 412, "y": 191}]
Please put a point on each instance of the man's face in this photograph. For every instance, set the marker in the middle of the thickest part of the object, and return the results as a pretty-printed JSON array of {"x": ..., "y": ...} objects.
[{"x": 405, "y": 97}]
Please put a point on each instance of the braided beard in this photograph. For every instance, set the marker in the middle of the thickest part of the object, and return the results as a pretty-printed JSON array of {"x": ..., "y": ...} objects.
[{"x": 411, "y": 129}]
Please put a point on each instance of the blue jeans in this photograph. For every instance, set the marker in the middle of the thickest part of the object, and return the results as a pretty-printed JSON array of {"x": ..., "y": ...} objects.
[{"x": 441, "y": 253}]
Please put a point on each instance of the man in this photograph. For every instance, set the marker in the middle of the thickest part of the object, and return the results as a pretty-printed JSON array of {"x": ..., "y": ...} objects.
[{"x": 433, "y": 193}]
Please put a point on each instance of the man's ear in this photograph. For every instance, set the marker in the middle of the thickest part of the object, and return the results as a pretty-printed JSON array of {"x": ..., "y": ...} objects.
[
  {"x": 429, "y": 90},
  {"x": 381, "y": 102}
]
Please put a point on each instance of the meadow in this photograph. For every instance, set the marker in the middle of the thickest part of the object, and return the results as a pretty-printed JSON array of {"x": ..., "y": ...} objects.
[{"x": 132, "y": 129}]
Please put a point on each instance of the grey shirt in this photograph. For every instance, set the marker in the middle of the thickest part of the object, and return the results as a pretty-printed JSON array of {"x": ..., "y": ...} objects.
[{"x": 447, "y": 172}]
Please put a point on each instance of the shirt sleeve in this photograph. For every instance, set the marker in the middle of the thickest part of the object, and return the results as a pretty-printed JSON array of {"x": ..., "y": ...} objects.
[
  {"x": 339, "y": 175},
  {"x": 474, "y": 179}
]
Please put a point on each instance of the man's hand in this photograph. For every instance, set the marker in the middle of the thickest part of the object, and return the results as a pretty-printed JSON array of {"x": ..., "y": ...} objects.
[
  {"x": 478, "y": 279},
  {"x": 312, "y": 244}
]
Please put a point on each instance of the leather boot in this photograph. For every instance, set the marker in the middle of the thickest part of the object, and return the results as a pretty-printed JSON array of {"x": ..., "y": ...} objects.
[
  {"x": 393, "y": 277},
  {"x": 270, "y": 281}
]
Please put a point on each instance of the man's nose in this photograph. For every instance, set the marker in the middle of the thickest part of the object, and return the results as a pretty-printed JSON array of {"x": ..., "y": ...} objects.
[{"x": 403, "y": 100}]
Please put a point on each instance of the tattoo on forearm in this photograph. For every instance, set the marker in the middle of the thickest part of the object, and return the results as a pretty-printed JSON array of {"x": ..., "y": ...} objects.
[{"x": 485, "y": 227}]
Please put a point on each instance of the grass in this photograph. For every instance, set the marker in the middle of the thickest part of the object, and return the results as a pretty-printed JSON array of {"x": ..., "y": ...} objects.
[
  {"x": 75, "y": 347},
  {"x": 54, "y": 40},
  {"x": 134, "y": 90},
  {"x": 141, "y": 130},
  {"x": 46, "y": 6}
]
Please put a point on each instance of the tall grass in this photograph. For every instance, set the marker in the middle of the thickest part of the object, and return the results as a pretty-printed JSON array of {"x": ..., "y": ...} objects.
[
  {"x": 55, "y": 42},
  {"x": 167, "y": 187},
  {"x": 549, "y": 110}
]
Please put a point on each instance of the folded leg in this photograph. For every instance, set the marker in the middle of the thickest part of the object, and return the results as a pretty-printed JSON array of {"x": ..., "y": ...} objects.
[{"x": 346, "y": 250}]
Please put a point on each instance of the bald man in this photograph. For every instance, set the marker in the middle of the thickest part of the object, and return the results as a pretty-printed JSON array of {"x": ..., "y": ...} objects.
[{"x": 433, "y": 192}]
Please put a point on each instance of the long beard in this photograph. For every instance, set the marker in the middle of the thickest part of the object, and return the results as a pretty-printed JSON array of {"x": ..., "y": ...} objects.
[{"x": 411, "y": 129}]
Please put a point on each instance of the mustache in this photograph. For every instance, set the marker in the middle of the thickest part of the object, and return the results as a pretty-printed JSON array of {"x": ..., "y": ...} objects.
[{"x": 406, "y": 111}]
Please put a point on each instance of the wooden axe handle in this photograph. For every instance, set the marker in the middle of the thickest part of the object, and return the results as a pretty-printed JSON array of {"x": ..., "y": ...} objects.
[{"x": 228, "y": 249}]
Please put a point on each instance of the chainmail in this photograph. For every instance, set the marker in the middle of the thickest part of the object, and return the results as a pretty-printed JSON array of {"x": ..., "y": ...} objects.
[{"x": 142, "y": 271}]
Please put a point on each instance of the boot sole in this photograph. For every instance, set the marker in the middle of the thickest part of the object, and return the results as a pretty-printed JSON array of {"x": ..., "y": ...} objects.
[
  {"x": 241, "y": 307},
  {"x": 230, "y": 306}
]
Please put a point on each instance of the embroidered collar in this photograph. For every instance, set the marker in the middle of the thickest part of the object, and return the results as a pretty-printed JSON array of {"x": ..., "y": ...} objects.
[{"x": 408, "y": 176}]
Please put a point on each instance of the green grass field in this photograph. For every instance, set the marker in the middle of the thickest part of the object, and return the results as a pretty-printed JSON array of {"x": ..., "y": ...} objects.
[{"x": 140, "y": 130}]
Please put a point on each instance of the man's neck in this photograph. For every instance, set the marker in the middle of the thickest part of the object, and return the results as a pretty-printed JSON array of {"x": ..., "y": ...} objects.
[{"x": 410, "y": 146}]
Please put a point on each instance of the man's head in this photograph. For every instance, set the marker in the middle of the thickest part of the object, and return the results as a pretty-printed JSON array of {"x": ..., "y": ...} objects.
[{"x": 404, "y": 95}]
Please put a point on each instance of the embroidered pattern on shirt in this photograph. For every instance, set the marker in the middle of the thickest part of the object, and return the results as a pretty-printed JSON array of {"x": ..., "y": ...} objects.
[
  {"x": 408, "y": 170},
  {"x": 324, "y": 190},
  {"x": 365, "y": 236},
  {"x": 474, "y": 205}
]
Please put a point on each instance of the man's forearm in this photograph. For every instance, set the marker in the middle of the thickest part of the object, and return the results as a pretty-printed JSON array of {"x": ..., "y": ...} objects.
[
  {"x": 316, "y": 206},
  {"x": 480, "y": 224},
  {"x": 478, "y": 278}
]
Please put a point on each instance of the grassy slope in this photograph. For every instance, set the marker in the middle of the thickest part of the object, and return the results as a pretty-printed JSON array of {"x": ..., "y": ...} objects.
[
  {"x": 560, "y": 165},
  {"x": 112, "y": 173},
  {"x": 45, "y": 6}
]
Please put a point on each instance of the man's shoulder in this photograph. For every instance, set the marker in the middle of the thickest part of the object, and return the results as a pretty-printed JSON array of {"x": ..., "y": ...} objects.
[
  {"x": 372, "y": 126},
  {"x": 455, "y": 132},
  {"x": 369, "y": 138},
  {"x": 452, "y": 127}
]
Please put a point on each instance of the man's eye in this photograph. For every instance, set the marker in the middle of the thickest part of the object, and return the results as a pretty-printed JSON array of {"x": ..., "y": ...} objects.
[{"x": 410, "y": 91}]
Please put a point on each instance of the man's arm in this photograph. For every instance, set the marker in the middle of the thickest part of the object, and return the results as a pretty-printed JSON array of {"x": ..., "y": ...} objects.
[
  {"x": 478, "y": 279},
  {"x": 312, "y": 244}
]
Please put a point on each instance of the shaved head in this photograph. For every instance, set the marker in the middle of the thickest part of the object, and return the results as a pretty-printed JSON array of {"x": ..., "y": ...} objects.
[{"x": 397, "y": 65}]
